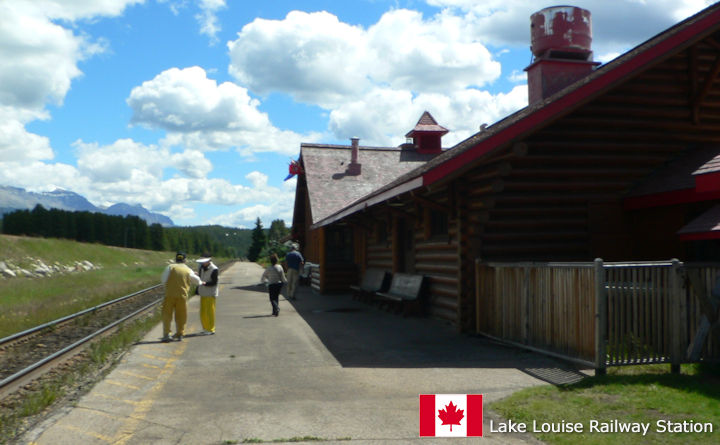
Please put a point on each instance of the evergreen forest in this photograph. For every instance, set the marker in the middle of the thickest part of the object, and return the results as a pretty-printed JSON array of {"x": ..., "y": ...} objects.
[{"x": 134, "y": 232}]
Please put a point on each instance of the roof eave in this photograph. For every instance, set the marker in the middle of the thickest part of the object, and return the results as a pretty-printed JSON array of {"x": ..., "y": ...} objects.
[{"x": 364, "y": 203}]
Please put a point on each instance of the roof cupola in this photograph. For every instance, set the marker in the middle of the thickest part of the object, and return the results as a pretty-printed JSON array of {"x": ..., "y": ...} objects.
[{"x": 427, "y": 134}]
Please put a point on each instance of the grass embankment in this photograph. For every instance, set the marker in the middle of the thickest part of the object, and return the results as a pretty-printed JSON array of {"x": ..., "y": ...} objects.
[
  {"x": 644, "y": 394},
  {"x": 28, "y": 302}
]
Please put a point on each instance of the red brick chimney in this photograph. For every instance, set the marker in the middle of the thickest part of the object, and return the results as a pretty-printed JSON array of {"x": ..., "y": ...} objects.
[{"x": 561, "y": 38}]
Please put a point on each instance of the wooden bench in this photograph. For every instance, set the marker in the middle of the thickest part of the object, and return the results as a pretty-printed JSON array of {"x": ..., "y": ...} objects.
[
  {"x": 405, "y": 292},
  {"x": 374, "y": 280}
]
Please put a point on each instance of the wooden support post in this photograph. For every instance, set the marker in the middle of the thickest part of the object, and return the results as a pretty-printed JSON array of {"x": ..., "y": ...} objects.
[
  {"x": 676, "y": 346},
  {"x": 477, "y": 295},
  {"x": 525, "y": 306},
  {"x": 601, "y": 320}
]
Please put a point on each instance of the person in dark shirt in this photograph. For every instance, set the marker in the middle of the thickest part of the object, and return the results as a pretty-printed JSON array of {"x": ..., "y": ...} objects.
[{"x": 294, "y": 260}]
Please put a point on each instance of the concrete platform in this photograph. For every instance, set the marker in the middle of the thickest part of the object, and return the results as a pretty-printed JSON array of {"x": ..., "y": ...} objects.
[{"x": 328, "y": 367}]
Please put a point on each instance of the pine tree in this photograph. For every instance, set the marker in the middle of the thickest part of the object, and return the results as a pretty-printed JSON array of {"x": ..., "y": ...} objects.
[{"x": 258, "y": 241}]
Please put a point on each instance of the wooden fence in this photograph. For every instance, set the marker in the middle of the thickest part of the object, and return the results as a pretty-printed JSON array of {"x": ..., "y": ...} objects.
[{"x": 603, "y": 314}]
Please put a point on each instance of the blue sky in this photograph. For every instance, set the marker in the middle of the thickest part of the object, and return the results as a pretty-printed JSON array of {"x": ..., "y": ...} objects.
[{"x": 194, "y": 108}]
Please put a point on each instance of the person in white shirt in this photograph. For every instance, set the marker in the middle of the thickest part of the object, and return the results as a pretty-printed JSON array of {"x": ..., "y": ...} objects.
[
  {"x": 274, "y": 276},
  {"x": 208, "y": 292}
]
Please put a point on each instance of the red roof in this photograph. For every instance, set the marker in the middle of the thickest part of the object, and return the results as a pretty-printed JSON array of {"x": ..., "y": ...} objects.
[{"x": 427, "y": 124}]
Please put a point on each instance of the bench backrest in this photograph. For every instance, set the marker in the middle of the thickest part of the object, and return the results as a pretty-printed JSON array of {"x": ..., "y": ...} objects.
[
  {"x": 406, "y": 285},
  {"x": 375, "y": 280}
]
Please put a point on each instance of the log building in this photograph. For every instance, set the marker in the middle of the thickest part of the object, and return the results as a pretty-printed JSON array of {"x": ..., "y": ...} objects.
[{"x": 618, "y": 161}]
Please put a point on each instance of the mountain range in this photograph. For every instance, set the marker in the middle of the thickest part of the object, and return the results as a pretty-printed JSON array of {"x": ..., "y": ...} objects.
[{"x": 15, "y": 198}]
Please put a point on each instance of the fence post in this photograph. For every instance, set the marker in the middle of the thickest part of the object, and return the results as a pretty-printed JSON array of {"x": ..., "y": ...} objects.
[
  {"x": 676, "y": 346},
  {"x": 600, "y": 319},
  {"x": 525, "y": 305},
  {"x": 477, "y": 295}
]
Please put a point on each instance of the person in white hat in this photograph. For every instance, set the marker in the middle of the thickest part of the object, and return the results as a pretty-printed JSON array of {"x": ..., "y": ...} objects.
[{"x": 208, "y": 292}]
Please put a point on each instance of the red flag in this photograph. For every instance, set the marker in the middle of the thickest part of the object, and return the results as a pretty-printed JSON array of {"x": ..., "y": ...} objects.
[{"x": 451, "y": 415}]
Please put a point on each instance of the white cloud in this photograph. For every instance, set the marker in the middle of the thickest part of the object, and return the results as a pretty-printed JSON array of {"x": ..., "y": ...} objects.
[
  {"x": 312, "y": 56},
  {"x": 405, "y": 51},
  {"x": 192, "y": 163},
  {"x": 247, "y": 216},
  {"x": 120, "y": 161},
  {"x": 208, "y": 18},
  {"x": 19, "y": 145},
  {"x": 76, "y": 9},
  {"x": 185, "y": 100},
  {"x": 617, "y": 25},
  {"x": 39, "y": 59},
  {"x": 257, "y": 179},
  {"x": 40, "y": 56},
  {"x": 384, "y": 116},
  {"x": 198, "y": 113},
  {"x": 39, "y": 176},
  {"x": 318, "y": 59}
]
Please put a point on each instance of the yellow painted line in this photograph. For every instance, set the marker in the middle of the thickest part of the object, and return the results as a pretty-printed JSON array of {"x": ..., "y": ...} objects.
[
  {"x": 146, "y": 365},
  {"x": 127, "y": 431},
  {"x": 115, "y": 399},
  {"x": 92, "y": 434},
  {"x": 123, "y": 385},
  {"x": 139, "y": 376},
  {"x": 155, "y": 357},
  {"x": 95, "y": 412}
]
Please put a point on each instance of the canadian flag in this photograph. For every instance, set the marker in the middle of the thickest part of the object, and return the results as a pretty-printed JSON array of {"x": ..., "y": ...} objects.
[{"x": 451, "y": 415}]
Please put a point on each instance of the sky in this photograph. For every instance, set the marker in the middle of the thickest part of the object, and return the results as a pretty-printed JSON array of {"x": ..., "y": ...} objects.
[{"x": 195, "y": 108}]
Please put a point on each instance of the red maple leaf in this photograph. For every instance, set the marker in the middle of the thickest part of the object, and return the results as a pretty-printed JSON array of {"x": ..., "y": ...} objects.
[{"x": 450, "y": 415}]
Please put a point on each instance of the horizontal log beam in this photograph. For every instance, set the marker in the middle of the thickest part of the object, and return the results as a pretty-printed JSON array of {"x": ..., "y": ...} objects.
[
  {"x": 436, "y": 257},
  {"x": 489, "y": 250},
  {"x": 567, "y": 184},
  {"x": 444, "y": 292},
  {"x": 481, "y": 204},
  {"x": 535, "y": 235},
  {"x": 587, "y": 172},
  {"x": 528, "y": 224},
  {"x": 501, "y": 169},
  {"x": 420, "y": 246},
  {"x": 609, "y": 145},
  {"x": 595, "y": 159},
  {"x": 530, "y": 211},
  {"x": 437, "y": 268},
  {"x": 496, "y": 186},
  {"x": 430, "y": 203}
]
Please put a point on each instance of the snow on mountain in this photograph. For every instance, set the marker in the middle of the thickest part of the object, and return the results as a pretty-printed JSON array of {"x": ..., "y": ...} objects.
[{"x": 15, "y": 198}]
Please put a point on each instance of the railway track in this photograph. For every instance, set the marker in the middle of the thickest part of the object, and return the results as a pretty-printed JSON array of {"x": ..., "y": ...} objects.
[{"x": 27, "y": 355}]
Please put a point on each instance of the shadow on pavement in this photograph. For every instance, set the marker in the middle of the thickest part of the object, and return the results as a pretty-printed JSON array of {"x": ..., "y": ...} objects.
[{"x": 361, "y": 335}]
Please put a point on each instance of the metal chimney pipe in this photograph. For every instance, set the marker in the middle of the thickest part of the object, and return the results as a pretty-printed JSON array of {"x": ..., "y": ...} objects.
[
  {"x": 354, "y": 168},
  {"x": 354, "y": 154}
]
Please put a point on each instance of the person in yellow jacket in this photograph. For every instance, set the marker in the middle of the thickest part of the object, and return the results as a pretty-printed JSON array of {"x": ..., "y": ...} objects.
[
  {"x": 208, "y": 292},
  {"x": 178, "y": 278}
]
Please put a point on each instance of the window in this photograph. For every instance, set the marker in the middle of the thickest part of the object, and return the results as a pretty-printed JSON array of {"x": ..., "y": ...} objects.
[
  {"x": 438, "y": 223},
  {"x": 381, "y": 233},
  {"x": 339, "y": 245}
]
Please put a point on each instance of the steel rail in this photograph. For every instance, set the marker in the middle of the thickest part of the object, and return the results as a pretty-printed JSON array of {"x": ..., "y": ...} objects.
[
  {"x": 4, "y": 384},
  {"x": 27, "y": 332}
]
